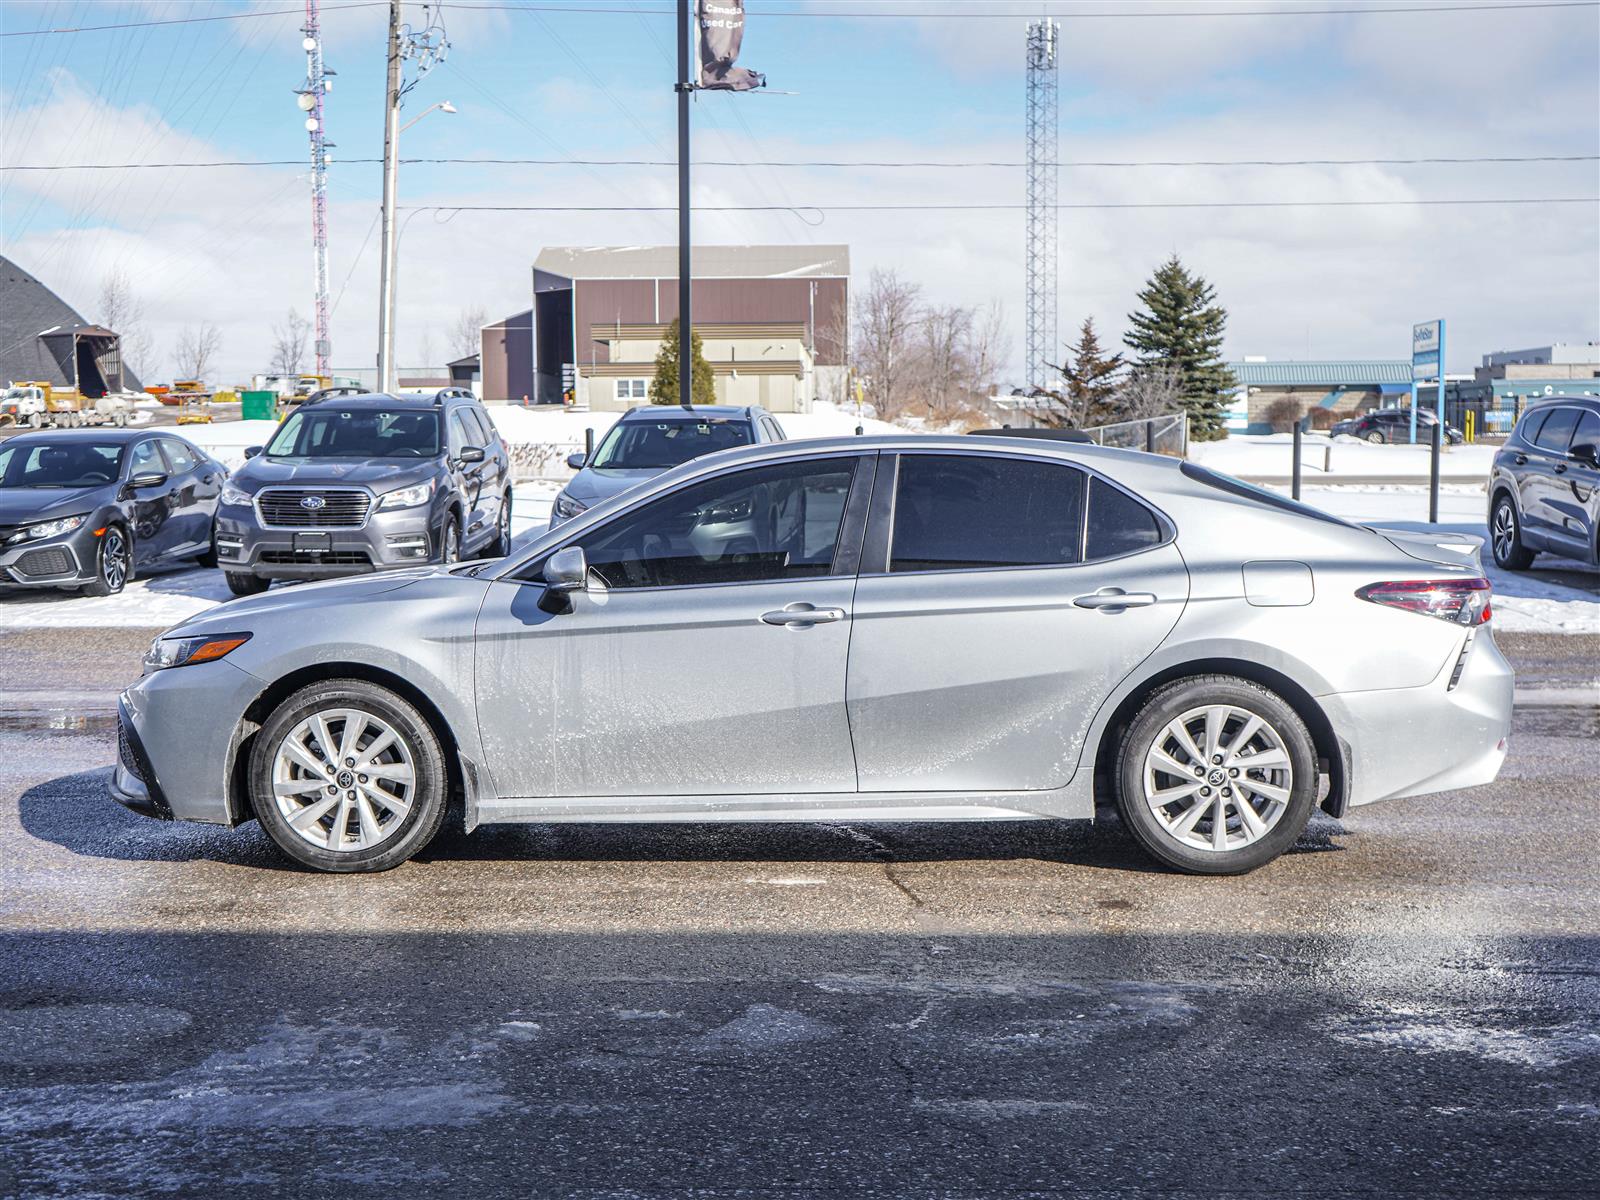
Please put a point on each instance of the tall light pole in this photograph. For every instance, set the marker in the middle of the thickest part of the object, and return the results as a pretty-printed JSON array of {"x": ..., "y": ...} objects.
[
  {"x": 685, "y": 88},
  {"x": 1042, "y": 127},
  {"x": 391, "y": 180}
]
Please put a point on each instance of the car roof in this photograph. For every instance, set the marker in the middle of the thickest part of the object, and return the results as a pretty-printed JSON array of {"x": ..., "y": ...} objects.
[
  {"x": 115, "y": 436},
  {"x": 1591, "y": 403},
  {"x": 391, "y": 400},
  {"x": 676, "y": 412}
]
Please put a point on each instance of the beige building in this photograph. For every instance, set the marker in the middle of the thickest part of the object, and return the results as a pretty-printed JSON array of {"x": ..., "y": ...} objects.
[{"x": 768, "y": 364}]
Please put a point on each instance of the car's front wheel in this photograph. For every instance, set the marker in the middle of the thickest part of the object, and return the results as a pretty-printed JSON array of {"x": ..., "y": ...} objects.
[
  {"x": 113, "y": 563},
  {"x": 1376, "y": 437},
  {"x": 241, "y": 584},
  {"x": 1216, "y": 775},
  {"x": 501, "y": 546},
  {"x": 450, "y": 541},
  {"x": 1505, "y": 538},
  {"x": 347, "y": 776}
]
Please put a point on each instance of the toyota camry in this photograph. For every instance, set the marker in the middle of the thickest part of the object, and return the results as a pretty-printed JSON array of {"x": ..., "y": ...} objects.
[{"x": 862, "y": 629}]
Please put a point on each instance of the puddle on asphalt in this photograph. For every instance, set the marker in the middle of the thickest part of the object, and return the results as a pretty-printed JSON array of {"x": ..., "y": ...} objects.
[
  {"x": 56, "y": 721},
  {"x": 1557, "y": 720}
]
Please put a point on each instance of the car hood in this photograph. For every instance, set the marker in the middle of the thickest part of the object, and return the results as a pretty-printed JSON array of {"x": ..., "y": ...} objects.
[
  {"x": 379, "y": 474},
  {"x": 592, "y": 485},
  {"x": 291, "y": 601},
  {"x": 23, "y": 506}
]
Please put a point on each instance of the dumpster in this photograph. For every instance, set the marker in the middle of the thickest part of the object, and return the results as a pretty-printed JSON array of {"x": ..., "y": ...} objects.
[{"x": 258, "y": 406}]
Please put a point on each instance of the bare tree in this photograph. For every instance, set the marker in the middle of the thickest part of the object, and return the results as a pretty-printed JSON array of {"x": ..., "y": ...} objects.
[
  {"x": 942, "y": 375},
  {"x": 122, "y": 312},
  {"x": 289, "y": 344},
  {"x": 466, "y": 335},
  {"x": 196, "y": 352},
  {"x": 988, "y": 345},
  {"x": 887, "y": 316},
  {"x": 1151, "y": 391}
]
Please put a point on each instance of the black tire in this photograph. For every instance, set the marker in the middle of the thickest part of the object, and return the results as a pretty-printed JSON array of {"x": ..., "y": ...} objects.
[
  {"x": 449, "y": 541},
  {"x": 115, "y": 545},
  {"x": 1164, "y": 707},
  {"x": 501, "y": 546},
  {"x": 246, "y": 585},
  {"x": 1505, "y": 537},
  {"x": 208, "y": 560},
  {"x": 427, "y": 798}
]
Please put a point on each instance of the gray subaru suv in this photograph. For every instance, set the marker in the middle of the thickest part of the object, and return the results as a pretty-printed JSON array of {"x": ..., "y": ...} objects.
[{"x": 360, "y": 483}]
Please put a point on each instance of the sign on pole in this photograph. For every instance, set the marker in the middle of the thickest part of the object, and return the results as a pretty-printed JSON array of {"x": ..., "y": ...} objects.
[{"x": 1427, "y": 362}]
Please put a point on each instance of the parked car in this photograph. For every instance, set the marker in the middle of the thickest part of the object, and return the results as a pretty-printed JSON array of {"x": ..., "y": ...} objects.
[
  {"x": 1382, "y": 425},
  {"x": 903, "y": 628},
  {"x": 1544, "y": 487},
  {"x": 350, "y": 484},
  {"x": 649, "y": 440},
  {"x": 87, "y": 510}
]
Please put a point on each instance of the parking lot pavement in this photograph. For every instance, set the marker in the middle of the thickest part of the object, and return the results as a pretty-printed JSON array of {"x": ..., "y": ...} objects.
[{"x": 1408, "y": 1004}]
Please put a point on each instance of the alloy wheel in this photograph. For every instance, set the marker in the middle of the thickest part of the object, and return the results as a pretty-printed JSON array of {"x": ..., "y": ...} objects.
[
  {"x": 344, "y": 779},
  {"x": 1504, "y": 532},
  {"x": 114, "y": 559},
  {"x": 505, "y": 525},
  {"x": 1218, "y": 778},
  {"x": 450, "y": 544}
]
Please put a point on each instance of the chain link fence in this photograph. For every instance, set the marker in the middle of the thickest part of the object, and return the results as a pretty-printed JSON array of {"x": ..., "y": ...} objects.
[{"x": 1166, "y": 434}]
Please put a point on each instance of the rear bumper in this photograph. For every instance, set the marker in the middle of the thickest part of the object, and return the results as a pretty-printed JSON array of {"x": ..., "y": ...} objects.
[{"x": 1435, "y": 738}]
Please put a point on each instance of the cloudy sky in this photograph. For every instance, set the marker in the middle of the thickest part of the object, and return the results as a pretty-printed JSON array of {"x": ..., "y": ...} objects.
[{"x": 879, "y": 81}]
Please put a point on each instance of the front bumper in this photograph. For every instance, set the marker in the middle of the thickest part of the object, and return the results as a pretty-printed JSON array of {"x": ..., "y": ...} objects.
[
  {"x": 398, "y": 538},
  {"x": 66, "y": 560},
  {"x": 1434, "y": 738}
]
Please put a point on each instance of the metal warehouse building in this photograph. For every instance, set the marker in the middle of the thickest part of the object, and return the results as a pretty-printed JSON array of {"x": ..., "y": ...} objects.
[
  {"x": 44, "y": 340},
  {"x": 772, "y": 320}
]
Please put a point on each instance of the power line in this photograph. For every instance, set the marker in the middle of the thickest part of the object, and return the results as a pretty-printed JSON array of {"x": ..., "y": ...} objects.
[
  {"x": 823, "y": 163},
  {"x": 836, "y": 14},
  {"x": 826, "y": 208}
]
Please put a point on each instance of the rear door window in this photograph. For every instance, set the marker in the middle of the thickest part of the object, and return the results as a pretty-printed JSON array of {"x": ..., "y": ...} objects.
[
  {"x": 1118, "y": 524},
  {"x": 1556, "y": 431},
  {"x": 963, "y": 512},
  {"x": 459, "y": 437}
]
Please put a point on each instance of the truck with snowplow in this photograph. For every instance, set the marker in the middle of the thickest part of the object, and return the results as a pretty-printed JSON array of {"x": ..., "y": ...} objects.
[{"x": 38, "y": 404}]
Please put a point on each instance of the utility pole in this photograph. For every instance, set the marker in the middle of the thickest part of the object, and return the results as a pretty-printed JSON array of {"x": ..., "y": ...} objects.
[
  {"x": 685, "y": 88},
  {"x": 391, "y": 173},
  {"x": 311, "y": 96}
]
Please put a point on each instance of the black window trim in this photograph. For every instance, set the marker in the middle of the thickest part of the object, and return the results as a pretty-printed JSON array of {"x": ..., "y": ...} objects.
[
  {"x": 880, "y": 530},
  {"x": 846, "y": 553}
]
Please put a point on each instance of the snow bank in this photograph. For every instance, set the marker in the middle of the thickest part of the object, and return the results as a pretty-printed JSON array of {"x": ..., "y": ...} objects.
[
  {"x": 1269, "y": 456},
  {"x": 226, "y": 441}
]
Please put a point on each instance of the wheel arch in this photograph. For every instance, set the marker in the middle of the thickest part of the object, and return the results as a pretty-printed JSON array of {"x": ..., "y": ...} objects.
[
  {"x": 1333, "y": 756},
  {"x": 458, "y": 770}
]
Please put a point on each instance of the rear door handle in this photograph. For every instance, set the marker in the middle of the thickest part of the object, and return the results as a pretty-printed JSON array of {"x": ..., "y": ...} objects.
[
  {"x": 800, "y": 614},
  {"x": 1114, "y": 597}
]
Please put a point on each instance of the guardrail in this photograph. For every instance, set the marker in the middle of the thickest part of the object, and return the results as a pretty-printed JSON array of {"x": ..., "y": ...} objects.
[{"x": 1166, "y": 434}]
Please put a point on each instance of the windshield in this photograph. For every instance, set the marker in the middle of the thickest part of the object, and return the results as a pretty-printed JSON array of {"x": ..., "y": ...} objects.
[
  {"x": 63, "y": 464},
  {"x": 357, "y": 433},
  {"x": 640, "y": 445}
]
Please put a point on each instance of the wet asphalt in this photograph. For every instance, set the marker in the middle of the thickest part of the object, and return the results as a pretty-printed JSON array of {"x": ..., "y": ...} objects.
[{"x": 1406, "y": 1005}]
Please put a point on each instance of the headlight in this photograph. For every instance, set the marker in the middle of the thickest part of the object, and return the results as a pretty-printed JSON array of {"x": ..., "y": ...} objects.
[
  {"x": 566, "y": 507},
  {"x": 235, "y": 495},
  {"x": 407, "y": 497},
  {"x": 167, "y": 652},
  {"x": 45, "y": 529}
]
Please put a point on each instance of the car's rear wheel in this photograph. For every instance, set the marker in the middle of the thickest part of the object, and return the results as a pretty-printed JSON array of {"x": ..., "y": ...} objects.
[
  {"x": 1505, "y": 537},
  {"x": 1216, "y": 775},
  {"x": 347, "y": 776},
  {"x": 113, "y": 563},
  {"x": 501, "y": 546},
  {"x": 450, "y": 541},
  {"x": 1376, "y": 437}
]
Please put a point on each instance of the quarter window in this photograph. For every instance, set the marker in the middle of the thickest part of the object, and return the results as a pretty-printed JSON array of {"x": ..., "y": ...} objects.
[
  {"x": 777, "y": 522},
  {"x": 1118, "y": 524},
  {"x": 961, "y": 512}
]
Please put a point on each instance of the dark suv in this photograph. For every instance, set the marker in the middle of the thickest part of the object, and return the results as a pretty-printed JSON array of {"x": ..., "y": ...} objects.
[
  {"x": 1544, "y": 490},
  {"x": 1394, "y": 425},
  {"x": 360, "y": 483}
]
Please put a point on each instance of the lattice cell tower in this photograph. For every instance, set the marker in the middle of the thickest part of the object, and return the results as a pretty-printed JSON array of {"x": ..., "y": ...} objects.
[
  {"x": 311, "y": 94},
  {"x": 1043, "y": 121}
]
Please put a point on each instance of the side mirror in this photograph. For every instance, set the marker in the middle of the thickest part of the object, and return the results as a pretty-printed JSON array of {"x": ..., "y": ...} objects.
[
  {"x": 1587, "y": 453},
  {"x": 576, "y": 461},
  {"x": 147, "y": 479},
  {"x": 472, "y": 454},
  {"x": 252, "y": 451},
  {"x": 567, "y": 570}
]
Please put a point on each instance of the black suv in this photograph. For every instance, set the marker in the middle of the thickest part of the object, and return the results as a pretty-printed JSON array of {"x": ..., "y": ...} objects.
[
  {"x": 359, "y": 483},
  {"x": 1544, "y": 490},
  {"x": 1394, "y": 425}
]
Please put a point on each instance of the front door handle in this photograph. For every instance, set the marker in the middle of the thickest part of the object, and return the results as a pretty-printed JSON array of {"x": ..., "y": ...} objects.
[
  {"x": 1521, "y": 460},
  {"x": 1114, "y": 598},
  {"x": 801, "y": 614}
]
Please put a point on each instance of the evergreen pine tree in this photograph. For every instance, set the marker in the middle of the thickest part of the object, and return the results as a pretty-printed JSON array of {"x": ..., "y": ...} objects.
[
  {"x": 1180, "y": 328},
  {"x": 664, "y": 388},
  {"x": 1089, "y": 379}
]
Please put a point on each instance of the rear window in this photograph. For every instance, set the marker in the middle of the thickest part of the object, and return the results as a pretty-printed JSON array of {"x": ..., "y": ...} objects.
[
  {"x": 1118, "y": 524},
  {"x": 1238, "y": 487},
  {"x": 1556, "y": 431}
]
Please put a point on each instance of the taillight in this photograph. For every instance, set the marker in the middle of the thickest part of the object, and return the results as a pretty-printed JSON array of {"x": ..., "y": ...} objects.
[{"x": 1463, "y": 601}]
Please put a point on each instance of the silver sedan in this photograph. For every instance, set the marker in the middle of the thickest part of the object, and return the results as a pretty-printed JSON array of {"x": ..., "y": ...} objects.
[{"x": 863, "y": 629}]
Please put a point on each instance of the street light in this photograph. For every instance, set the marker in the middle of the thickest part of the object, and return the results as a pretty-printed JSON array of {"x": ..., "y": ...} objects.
[{"x": 391, "y": 185}]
